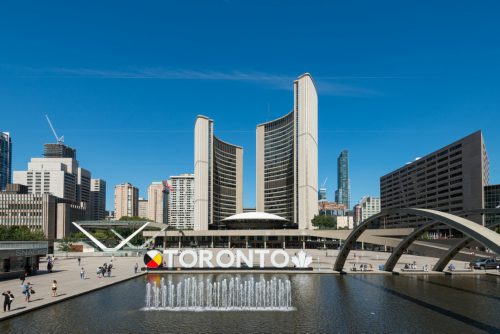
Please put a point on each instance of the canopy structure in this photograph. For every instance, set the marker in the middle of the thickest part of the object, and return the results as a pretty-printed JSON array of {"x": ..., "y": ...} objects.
[
  {"x": 138, "y": 226},
  {"x": 254, "y": 221}
]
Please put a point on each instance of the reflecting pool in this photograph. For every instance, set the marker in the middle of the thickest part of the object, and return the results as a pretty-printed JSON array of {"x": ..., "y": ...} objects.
[{"x": 322, "y": 304}]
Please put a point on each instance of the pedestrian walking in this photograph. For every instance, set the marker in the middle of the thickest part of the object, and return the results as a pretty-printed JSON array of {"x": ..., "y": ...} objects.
[
  {"x": 54, "y": 288},
  {"x": 109, "y": 269},
  {"x": 136, "y": 267},
  {"x": 79, "y": 260},
  {"x": 22, "y": 278},
  {"x": 49, "y": 267},
  {"x": 82, "y": 273},
  {"x": 27, "y": 291},
  {"x": 8, "y": 299}
]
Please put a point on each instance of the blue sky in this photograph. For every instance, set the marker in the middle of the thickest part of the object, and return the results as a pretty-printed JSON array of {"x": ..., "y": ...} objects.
[{"x": 124, "y": 80}]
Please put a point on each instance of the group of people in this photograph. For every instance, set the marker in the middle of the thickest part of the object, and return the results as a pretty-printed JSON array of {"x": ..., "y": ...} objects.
[
  {"x": 412, "y": 266},
  {"x": 363, "y": 267},
  {"x": 104, "y": 269}
]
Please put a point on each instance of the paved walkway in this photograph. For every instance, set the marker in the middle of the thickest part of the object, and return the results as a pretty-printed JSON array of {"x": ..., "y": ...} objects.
[{"x": 67, "y": 274}]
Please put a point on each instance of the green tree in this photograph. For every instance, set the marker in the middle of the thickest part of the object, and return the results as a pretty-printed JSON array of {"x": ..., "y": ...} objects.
[
  {"x": 65, "y": 245},
  {"x": 324, "y": 222},
  {"x": 20, "y": 233}
]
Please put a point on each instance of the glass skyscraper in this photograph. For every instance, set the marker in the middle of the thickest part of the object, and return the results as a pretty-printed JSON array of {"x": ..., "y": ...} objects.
[
  {"x": 5, "y": 160},
  {"x": 342, "y": 195}
]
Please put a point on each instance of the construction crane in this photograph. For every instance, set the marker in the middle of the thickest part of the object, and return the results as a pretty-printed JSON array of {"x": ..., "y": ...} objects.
[
  {"x": 324, "y": 183},
  {"x": 59, "y": 140}
]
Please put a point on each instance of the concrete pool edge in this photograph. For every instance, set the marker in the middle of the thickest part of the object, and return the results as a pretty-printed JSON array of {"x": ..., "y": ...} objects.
[{"x": 6, "y": 316}]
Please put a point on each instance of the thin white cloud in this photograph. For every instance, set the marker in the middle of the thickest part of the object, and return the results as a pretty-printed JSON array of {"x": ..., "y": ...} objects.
[{"x": 325, "y": 85}]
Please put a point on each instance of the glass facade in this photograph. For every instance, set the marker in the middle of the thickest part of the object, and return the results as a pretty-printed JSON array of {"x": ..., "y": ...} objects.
[
  {"x": 342, "y": 195},
  {"x": 492, "y": 201},
  {"x": 279, "y": 148},
  {"x": 224, "y": 180},
  {"x": 5, "y": 160}
]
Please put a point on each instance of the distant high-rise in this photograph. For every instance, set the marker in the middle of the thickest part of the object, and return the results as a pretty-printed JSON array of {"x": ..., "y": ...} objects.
[
  {"x": 181, "y": 202},
  {"x": 157, "y": 202},
  {"x": 97, "y": 199},
  {"x": 142, "y": 207},
  {"x": 322, "y": 194},
  {"x": 369, "y": 206},
  {"x": 287, "y": 159},
  {"x": 343, "y": 195},
  {"x": 5, "y": 160},
  {"x": 218, "y": 175},
  {"x": 451, "y": 179},
  {"x": 126, "y": 200},
  {"x": 57, "y": 174}
]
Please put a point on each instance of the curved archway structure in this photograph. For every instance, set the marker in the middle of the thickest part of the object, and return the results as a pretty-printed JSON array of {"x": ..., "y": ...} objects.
[
  {"x": 455, "y": 249},
  {"x": 477, "y": 232}
]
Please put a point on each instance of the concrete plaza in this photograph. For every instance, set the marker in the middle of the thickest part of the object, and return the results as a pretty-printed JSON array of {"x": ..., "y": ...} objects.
[{"x": 67, "y": 274}]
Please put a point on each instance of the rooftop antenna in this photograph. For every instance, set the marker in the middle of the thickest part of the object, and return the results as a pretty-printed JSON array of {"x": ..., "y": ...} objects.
[{"x": 59, "y": 140}]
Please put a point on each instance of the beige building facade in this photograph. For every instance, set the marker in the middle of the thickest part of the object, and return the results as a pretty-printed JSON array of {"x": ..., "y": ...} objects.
[
  {"x": 218, "y": 177},
  {"x": 287, "y": 159},
  {"x": 142, "y": 207},
  {"x": 157, "y": 202},
  {"x": 126, "y": 200}
]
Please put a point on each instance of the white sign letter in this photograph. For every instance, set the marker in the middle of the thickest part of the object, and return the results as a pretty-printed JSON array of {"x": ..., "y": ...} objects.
[
  {"x": 261, "y": 253},
  {"x": 241, "y": 256},
  {"x": 205, "y": 258},
  {"x": 218, "y": 258},
  {"x": 183, "y": 255},
  {"x": 170, "y": 256},
  {"x": 282, "y": 264}
]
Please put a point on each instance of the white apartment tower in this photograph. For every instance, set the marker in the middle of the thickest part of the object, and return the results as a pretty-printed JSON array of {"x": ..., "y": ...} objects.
[
  {"x": 181, "y": 202},
  {"x": 218, "y": 177},
  {"x": 287, "y": 159},
  {"x": 369, "y": 206}
]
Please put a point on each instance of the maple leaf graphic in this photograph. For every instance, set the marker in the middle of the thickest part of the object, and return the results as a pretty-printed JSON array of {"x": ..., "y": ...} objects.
[{"x": 301, "y": 260}]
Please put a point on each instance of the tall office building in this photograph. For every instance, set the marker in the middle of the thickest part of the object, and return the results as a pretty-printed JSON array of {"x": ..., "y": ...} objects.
[
  {"x": 369, "y": 206},
  {"x": 5, "y": 160},
  {"x": 44, "y": 212},
  {"x": 218, "y": 175},
  {"x": 97, "y": 199},
  {"x": 142, "y": 205},
  {"x": 343, "y": 193},
  {"x": 287, "y": 159},
  {"x": 126, "y": 200},
  {"x": 57, "y": 173},
  {"x": 451, "y": 179},
  {"x": 157, "y": 202},
  {"x": 181, "y": 202}
]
